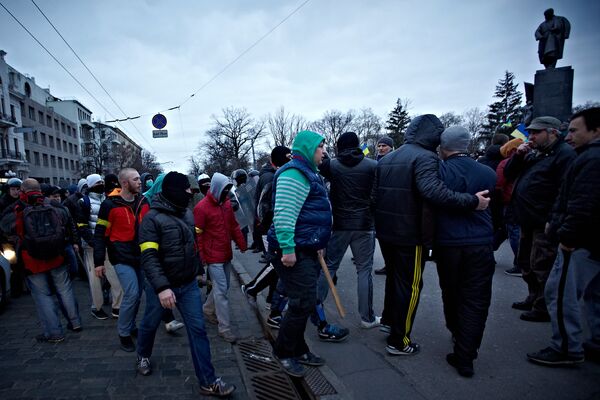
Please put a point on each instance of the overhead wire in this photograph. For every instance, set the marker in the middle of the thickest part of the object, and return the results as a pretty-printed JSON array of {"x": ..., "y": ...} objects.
[
  {"x": 60, "y": 63},
  {"x": 92, "y": 74}
]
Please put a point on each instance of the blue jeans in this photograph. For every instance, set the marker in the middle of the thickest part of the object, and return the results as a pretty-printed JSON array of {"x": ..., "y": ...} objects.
[
  {"x": 189, "y": 304},
  {"x": 43, "y": 286},
  {"x": 71, "y": 259},
  {"x": 131, "y": 282}
]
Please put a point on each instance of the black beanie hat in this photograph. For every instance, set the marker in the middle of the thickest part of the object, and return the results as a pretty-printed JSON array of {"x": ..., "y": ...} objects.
[
  {"x": 348, "y": 140},
  {"x": 174, "y": 188},
  {"x": 279, "y": 155},
  {"x": 111, "y": 181}
]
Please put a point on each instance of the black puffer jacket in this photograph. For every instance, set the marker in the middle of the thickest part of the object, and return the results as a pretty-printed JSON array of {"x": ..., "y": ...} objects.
[
  {"x": 537, "y": 177},
  {"x": 168, "y": 243},
  {"x": 407, "y": 184},
  {"x": 576, "y": 215},
  {"x": 265, "y": 176},
  {"x": 351, "y": 176}
]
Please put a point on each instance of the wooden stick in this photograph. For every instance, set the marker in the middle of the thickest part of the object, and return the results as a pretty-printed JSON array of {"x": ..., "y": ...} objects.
[{"x": 336, "y": 297}]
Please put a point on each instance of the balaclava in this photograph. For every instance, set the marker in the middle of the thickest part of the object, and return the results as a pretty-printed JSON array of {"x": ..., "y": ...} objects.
[{"x": 174, "y": 188}]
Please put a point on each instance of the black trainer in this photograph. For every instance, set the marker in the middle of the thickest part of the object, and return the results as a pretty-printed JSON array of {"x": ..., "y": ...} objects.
[
  {"x": 115, "y": 313},
  {"x": 274, "y": 322},
  {"x": 409, "y": 350},
  {"x": 333, "y": 333},
  {"x": 49, "y": 339},
  {"x": 522, "y": 305},
  {"x": 311, "y": 359},
  {"x": 292, "y": 367},
  {"x": 514, "y": 271},
  {"x": 464, "y": 368},
  {"x": 535, "y": 316},
  {"x": 551, "y": 357},
  {"x": 218, "y": 388},
  {"x": 143, "y": 366},
  {"x": 127, "y": 344},
  {"x": 99, "y": 314}
]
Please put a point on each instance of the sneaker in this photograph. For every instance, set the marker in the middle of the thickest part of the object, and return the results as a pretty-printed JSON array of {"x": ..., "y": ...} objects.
[
  {"x": 211, "y": 318},
  {"x": 311, "y": 359},
  {"x": 218, "y": 388},
  {"x": 174, "y": 326},
  {"x": 143, "y": 366},
  {"x": 368, "y": 325},
  {"x": 127, "y": 344},
  {"x": 115, "y": 313},
  {"x": 49, "y": 339},
  {"x": 464, "y": 368},
  {"x": 228, "y": 336},
  {"x": 385, "y": 328},
  {"x": 380, "y": 271},
  {"x": 522, "y": 305},
  {"x": 99, "y": 314},
  {"x": 333, "y": 333},
  {"x": 549, "y": 356},
  {"x": 251, "y": 299},
  {"x": 292, "y": 367},
  {"x": 409, "y": 350},
  {"x": 274, "y": 322},
  {"x": 72, "y": 328},
  {"x": 535, "y": 316},
  {"x": 514, "y": 271}
]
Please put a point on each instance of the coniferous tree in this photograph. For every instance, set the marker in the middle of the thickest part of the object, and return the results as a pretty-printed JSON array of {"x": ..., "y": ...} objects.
[
  {"x": 397, "y": 122},
  {"x": 505, "y": 111}
]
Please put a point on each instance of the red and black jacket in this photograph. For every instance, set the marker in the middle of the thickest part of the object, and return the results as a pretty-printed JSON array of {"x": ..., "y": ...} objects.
[{"x": 116, "y": 230}]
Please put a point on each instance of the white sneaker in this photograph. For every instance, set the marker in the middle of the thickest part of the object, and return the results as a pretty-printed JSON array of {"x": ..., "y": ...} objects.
[
  {"x": 368, "y": 325},
  {"x": 174, "y": 325}
]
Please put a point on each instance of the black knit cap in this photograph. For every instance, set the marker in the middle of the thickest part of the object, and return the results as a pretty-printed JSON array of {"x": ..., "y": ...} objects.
[
  {"x": 279, "y": 155},
  {"x": 174, "y": 188},
  {"x": 111, "y": 181},
  {"x": 347, "y": 140}
]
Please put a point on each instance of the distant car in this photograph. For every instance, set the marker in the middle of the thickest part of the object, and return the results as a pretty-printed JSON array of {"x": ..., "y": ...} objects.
[{"x": 7, "y": 257}]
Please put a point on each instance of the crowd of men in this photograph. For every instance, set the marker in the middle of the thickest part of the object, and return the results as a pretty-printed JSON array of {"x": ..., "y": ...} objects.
[{"x": 427, "y": 200}]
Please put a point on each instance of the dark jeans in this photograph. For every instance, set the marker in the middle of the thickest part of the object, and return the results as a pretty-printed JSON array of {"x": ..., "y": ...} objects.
[
  {"x": 536, "y": 258},
  {"x": 403, "y": 284},
  {"x": 189, "y": 304},
  {"x": 300, "y": 285},
  {"x": 466, "y": 281}
]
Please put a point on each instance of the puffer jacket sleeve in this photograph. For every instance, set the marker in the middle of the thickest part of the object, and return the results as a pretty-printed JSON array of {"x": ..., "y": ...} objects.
[
  {"x": 433, "y": 189},
  {"x": 149, "y": 239}
]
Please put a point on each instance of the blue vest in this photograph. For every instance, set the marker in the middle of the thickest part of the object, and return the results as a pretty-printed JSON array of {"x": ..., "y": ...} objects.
[{"x": 313, "y": 226}]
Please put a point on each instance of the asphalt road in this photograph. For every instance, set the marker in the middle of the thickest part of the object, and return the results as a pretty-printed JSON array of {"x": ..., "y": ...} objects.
[{"x": 501, "y": 371}]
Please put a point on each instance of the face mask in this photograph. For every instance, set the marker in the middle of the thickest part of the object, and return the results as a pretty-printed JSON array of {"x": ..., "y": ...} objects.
[
  {"x": 149, "y": 183},
  {"x": 204, "y": 189},
  {"x": 97, "y": 189}
]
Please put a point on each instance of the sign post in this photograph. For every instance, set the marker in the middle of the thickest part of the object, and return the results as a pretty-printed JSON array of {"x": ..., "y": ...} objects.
[{"x": 159, "y": 121}]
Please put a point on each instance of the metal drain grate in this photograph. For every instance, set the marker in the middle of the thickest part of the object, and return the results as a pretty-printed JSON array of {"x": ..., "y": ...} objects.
[
  {"x": 317, "y": 384},
  {"x": 262, "y": 373}
]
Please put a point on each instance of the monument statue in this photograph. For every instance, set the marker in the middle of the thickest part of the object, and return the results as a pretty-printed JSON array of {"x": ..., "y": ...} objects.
[{"x": 552, "y": 34}]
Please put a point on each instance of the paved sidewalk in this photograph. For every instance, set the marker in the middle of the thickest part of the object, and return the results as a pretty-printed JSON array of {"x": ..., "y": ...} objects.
[{"x": 90, "y": 365}]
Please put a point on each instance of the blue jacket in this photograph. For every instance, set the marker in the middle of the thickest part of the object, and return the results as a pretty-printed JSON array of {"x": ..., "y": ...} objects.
[
  {"x": 313, "y": 226},
  {"x": 465, "y": 228}
]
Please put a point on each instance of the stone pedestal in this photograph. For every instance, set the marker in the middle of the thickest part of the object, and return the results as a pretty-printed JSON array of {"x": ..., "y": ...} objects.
[{"x": 553, "y": 94}]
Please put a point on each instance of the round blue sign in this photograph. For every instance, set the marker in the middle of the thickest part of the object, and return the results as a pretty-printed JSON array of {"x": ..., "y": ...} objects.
[{"x": 159, "y": 121}]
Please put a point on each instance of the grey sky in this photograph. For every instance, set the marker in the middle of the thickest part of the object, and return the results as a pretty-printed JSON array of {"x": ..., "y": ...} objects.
[{"x": 150, "y": 55}]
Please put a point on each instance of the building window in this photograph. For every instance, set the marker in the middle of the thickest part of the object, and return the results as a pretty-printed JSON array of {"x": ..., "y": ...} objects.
[
  {"x": 75, "y": 147},
  {"x": 60, "y": 163},
  {"x": 55, "y": 180},
  {"x": 64, "y": 145},
  {"x": 51, "y": 141},
  {"x": 58, "y": 144},
  {"x": 72, "y": 165},
  {"x": 71, "y": 148},
  {"x": 13, "y": 114},
  {"x": 16, "y": 142},
  {"x": 36, "y": 158},
  {"x": 43, "y": 138},
  {"x": 48, "y": 121},
  {"x": 26, "y": 136},
  {"x": 31, "y": 113},
  {"x": 27, "y": 90},
  {"x": 53, "y": 161},
  {"x": 22, "y": 107},
  {"x": 62, "y": 127},
  {"x": 77, "y": 165},
  {"x": 27, "y": 155},
  {"x": 45, "y": 158},
  {"x": 40, "y": 117},
  {"x": 55, "y": 124},
  {"x": 34, "y": 136}
]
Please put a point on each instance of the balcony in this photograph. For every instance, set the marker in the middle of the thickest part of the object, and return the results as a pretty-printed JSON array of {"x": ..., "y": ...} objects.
[
  {"x": 7, "y": 156},
  {"x": 7, "y": 121}
]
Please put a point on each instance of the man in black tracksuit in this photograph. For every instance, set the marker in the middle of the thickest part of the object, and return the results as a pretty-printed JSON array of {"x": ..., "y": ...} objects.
[
  {"x": 406, "y": 186},
  {"x": 537, "y": 168},
  {"x": 464, "y": 253}
]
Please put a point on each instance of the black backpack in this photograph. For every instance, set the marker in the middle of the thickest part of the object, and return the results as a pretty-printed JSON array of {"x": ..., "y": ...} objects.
[{"x": 44, "y": 232}]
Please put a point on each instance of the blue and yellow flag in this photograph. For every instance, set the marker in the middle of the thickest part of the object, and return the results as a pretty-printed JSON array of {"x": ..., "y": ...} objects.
[
  {"x": 520, "y": 133},
  {"x": 365, "y": 149}
]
